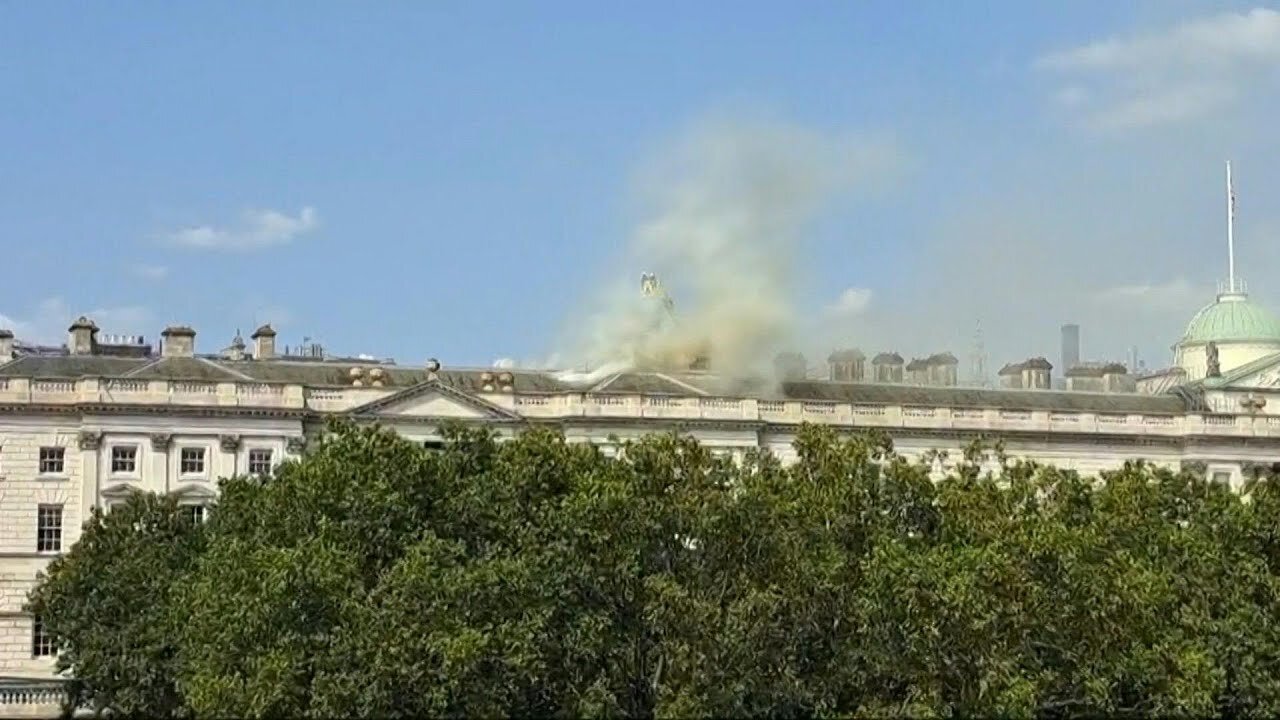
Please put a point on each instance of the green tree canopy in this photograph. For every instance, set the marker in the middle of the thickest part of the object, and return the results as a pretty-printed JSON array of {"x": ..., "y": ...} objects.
[{"x": 377, "y": 578}]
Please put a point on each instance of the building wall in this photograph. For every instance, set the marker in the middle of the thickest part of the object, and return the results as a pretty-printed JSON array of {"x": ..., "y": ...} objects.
[
  {"x": 1194, "y": 360},
  {"x": 87, "y": 442},
  {"x": 1086, "y": 442}
]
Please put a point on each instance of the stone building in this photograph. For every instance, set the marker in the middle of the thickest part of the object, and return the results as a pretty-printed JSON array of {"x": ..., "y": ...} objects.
[{"x": 87, "y": 423}]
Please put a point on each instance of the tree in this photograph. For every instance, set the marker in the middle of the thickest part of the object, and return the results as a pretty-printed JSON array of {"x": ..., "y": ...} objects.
[
  {"x": 539, "y": 577},
  {"x": 107, "y": 602}
]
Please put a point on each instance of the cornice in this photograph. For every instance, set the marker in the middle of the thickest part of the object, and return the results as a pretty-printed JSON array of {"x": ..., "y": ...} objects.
[{"x": 160, "y": 409}]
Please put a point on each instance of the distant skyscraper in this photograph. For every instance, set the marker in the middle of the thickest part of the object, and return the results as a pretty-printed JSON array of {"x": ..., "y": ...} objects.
[
  {"x": 978, "y": 360},
  {"x": 1070, "y": 346}
]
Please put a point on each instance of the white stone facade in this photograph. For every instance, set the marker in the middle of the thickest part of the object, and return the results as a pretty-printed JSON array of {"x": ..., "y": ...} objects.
[{"x": 117, "y": 434}]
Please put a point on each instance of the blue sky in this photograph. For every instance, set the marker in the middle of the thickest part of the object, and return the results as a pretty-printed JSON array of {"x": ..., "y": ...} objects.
[{"x": 457, "y": 180}]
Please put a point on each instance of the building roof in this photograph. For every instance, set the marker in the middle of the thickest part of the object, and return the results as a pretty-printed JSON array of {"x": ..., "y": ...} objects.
[
  {"x": 1233, "y": 317},
  {"x": 873, "y": 393},
  {"x": 331, "y": 373},
  {"x": 845, "y": 355}
]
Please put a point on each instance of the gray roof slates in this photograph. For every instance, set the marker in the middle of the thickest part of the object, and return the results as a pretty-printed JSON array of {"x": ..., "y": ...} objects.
[
  {"x": 337, "y": 374},
  {"x": 873, "y": 393},
  {"x": 185, "y": 368},
  {"x": 42, "y": 367}
]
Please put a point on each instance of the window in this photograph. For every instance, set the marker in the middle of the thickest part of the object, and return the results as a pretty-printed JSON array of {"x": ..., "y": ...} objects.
[
  {"x": 52, "y": 460},
  {"x": 433, "y": 444},
  {"x": 1222, "y": 476},
  {"x": 124, "y": 459},
  {"x": 49, "y": 528},
  {"x": 260, "y": 462},
  {"x": 192, "y": 461},
  {"x": 193, "y": 513},
  {"x": 42, "y": 643}
]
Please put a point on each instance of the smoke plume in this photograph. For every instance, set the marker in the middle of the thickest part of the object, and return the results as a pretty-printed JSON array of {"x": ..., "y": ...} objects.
[{"x": 725, "y": 214}]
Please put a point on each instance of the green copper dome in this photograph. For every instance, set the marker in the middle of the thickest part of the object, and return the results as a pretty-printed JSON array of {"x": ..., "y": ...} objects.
[{"x": 1233, "y": 318}]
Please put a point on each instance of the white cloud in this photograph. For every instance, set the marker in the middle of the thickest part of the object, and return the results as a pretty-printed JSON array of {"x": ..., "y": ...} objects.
[
  {"x": 47, "y": 323},
  {"x": 852, "y": 302},
  {"x": 1174, "y": 75},
  {"x": 150, "y": 272},
  {"x": 258, "y": 229},
  {"x": 1174, "y": 296}
]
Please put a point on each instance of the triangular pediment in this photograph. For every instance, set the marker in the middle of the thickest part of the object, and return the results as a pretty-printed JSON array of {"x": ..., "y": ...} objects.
[
  {"x": 432, "y": 399},
  {"x": 1262, "y": 373},
  {"x": 120, "y": 491},
  {"x": 192, "y": 491}
]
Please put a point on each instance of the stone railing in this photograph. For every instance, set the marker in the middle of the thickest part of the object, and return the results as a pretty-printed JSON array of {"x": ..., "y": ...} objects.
[
  {"x": 151, "y": 392},
  {"x": 996, "y": 420},
  {"x": 635, "y": 406},
  {"x": 32, "y": 698}
]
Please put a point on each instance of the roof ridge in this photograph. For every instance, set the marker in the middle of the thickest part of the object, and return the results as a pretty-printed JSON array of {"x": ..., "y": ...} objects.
[
  {"x": 682, "y": 383},
  {"x": 600, "y": 386},
  {"x": 219, "y": 366},
  {"x": 154, "y": 362}
]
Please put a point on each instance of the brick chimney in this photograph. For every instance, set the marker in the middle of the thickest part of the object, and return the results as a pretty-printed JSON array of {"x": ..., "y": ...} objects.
[
  {"x": 82, "y": 336},
  {"x": 178, "y": 341},
  {"x": 6, "y": 345},
  {"x": 264, "y": 343}
]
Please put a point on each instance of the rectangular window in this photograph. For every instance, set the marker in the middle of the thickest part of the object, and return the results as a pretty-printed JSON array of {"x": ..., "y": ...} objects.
[
  {"x": 193, "y": 513},
  {"x": 1222, "y": 476},
  {"x": 124, "y": 459},
  {"x": 52, "y": 460},
  {"x": 433, "y": 444},
  {"x": 260, "y": 462},
  {"x": 192, "y": 461},
  {"x": 42, "y": 644},
  {"x": 49, "y": 528}
]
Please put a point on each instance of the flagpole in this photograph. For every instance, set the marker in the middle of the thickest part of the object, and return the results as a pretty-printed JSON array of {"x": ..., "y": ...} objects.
[{"x": 1231, "y": 239}]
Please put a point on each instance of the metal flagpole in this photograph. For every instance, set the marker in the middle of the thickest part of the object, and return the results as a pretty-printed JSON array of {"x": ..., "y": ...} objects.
[{"x": 1231, "y": 239}]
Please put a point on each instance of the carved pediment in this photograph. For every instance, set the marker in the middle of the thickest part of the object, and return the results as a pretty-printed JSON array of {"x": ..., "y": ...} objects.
[
  {"x": 120, "y": 491},
  {"x": 1260, "y": 374},
  {"x": 1268, "y": 378},
  {"x": 432, "y": 399},
  {"x": 193, "y": 491}
]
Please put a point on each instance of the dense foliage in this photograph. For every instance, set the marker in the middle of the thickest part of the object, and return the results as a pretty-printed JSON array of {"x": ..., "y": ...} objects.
[{"x": 376, "y": 578}]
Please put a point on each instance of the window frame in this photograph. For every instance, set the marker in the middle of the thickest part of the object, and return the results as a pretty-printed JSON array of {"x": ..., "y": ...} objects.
[
  {"x": 203, "y": 459},
  {"x": 61, "y": 459},
  {"x": 258, "y": 452},
  {"x": 199, "y": 513},
  {"x": 49, "y": 536},
  {"x": 136, "y": 460},
  {"x": 43, "y": 644}
]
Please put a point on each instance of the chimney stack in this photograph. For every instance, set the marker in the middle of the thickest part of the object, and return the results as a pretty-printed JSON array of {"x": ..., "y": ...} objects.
[
  {"x": 264, "y": 343},
  {"x": 887, "y": 367},
  {"x": 178, "y": 341},
  {"x": 846, "y": 366},
  {"x": 82, "y": 336},
  {"x": 6, "y": 345},
  {"x": 1036, "y": 374}
]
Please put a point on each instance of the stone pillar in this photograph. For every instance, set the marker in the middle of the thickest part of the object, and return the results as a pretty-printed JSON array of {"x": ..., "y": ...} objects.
[
  {"x": 228, "y": 460},
  {"x": 157, "y": 475},
  {"x": 90, "y": 442}
]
